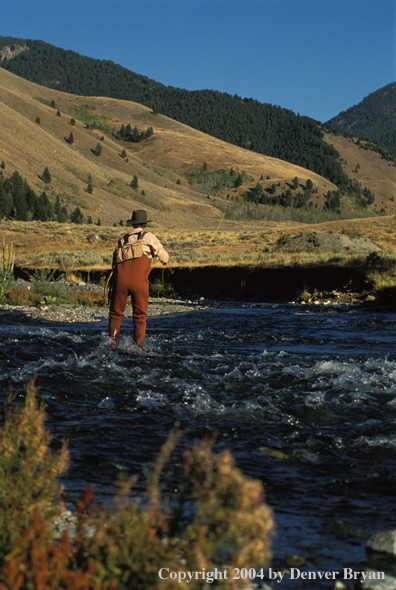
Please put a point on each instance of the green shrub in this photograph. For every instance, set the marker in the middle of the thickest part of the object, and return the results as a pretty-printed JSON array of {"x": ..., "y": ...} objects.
[
  {"x": 283, "y": 239},
  {"x": 6, "y": 270},
  {"x": 47, "y": 287}
]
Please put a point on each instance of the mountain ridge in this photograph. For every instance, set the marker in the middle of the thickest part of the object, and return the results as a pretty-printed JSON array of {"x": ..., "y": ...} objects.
[
  {"x": 252, "y": 125},
  {"x": 373, "y": 119}
]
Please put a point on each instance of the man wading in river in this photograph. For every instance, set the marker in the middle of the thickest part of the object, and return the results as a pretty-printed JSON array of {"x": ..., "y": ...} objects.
[{"x": 132, "y": 265}]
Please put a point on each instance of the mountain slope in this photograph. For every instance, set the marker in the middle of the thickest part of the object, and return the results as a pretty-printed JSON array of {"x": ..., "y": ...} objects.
[
  {"x": 160, "y": 162},
  {"x": 263, "y": 128},
  {"x": 374, "y": 118}
]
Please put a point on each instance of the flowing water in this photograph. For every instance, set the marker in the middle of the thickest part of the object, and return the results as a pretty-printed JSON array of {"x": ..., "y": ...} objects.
[{"x": 304, "y": 396}]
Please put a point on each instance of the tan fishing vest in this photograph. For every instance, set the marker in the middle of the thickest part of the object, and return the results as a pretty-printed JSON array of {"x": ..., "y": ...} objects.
[{"x": 128, "y": 250}]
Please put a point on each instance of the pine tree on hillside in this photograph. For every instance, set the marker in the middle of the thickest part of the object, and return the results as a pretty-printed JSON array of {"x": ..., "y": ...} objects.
[
  {"x": 5, "y": 202},
  {"x": 238, "y": 181},
  {"x": 62, "y": 216},
  {"x": 77, "y": 216},
  {"x": 44, "y": 209},
  {"x": 46, "y": 176}
]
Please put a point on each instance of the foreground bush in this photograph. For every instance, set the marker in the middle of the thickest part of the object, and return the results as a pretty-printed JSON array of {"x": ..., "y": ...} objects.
[
  {"x": 217, "y": 518},
  {"x": 29, "y": 471}
]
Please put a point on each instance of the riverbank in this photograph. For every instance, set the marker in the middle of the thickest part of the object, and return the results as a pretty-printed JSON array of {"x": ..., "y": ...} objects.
[{"x": 338, "y": 283}]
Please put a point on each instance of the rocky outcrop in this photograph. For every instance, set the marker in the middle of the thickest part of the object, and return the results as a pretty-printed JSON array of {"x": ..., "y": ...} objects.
[
  {"x": 336, "y": 242},
  {"x": 10, "y": 51}
]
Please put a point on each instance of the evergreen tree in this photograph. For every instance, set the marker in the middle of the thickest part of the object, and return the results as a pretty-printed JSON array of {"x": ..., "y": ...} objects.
[
  {"x": 238, "y": 181},
  {"x": 77, "y": 216},
  {"x": 38, "y": 120},
  {"x": 57, "y": 205},
  {"x": 295, "y": 183},
  {"x": 98, "y": 149},
  {"x": 5, "y": 202},
  {"x": 135, "y": 182},
  {"x": 99, "y": 223},
  {"x": 72, "y": 121},
  {"x": 70, "y": 139},
  {"x": 90, "y": 188},
  {"x": 46, "y": 176},
  {"x": 135, "y": 135},
  {"x": 31, "y": 200},
  {"x": 19, "y": 209},
  {"x": 44, "y": 209},
  {"x": 62, "y": 216}
]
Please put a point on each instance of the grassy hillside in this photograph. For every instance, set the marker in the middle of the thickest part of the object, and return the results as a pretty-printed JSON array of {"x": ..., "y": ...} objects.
[
  {"x": 195, "y": 227},
  {"x": 160, "y": 162},
  {"x": 259, "y": 127}
]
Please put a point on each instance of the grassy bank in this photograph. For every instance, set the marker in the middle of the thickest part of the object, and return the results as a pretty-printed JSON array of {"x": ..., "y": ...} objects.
[{"x": 83, "y": 252}]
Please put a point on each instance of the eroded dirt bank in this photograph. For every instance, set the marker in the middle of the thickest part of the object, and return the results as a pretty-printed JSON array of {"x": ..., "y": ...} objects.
[
  {"x": 260, "y": 284},
  {"x": 246, "y": 283}
]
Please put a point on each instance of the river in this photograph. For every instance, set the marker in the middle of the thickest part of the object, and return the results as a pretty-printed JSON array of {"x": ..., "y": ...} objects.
[{"x": 304, "y": 396}]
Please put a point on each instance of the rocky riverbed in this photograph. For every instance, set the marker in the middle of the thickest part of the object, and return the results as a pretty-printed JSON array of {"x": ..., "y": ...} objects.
[{"x": 85, "y": 314}]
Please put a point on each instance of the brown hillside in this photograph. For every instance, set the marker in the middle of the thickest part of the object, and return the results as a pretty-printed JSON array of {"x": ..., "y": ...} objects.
[
  {"x": 368, "y": 168},
  {"x": 159, "y": 162}
]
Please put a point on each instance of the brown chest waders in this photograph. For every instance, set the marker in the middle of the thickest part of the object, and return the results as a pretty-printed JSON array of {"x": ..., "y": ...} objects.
[{"x": 130, "y": 278}]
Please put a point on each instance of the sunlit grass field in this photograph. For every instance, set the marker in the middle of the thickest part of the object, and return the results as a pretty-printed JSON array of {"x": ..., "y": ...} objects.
[{"x": 71, "y": 247}]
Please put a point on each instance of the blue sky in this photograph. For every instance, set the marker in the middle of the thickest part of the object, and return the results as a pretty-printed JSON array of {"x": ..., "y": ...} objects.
[{"x": 315, "y": 57}]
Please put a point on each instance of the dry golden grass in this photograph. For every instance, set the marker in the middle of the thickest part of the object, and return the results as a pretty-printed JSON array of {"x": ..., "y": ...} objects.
[
  {"x": 66, "y": 246},
  {"x": 374, "y": 172}
]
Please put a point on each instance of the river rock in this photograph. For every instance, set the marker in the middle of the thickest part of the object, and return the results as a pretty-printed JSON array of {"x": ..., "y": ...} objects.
[{"x": 383, "y": 542}]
